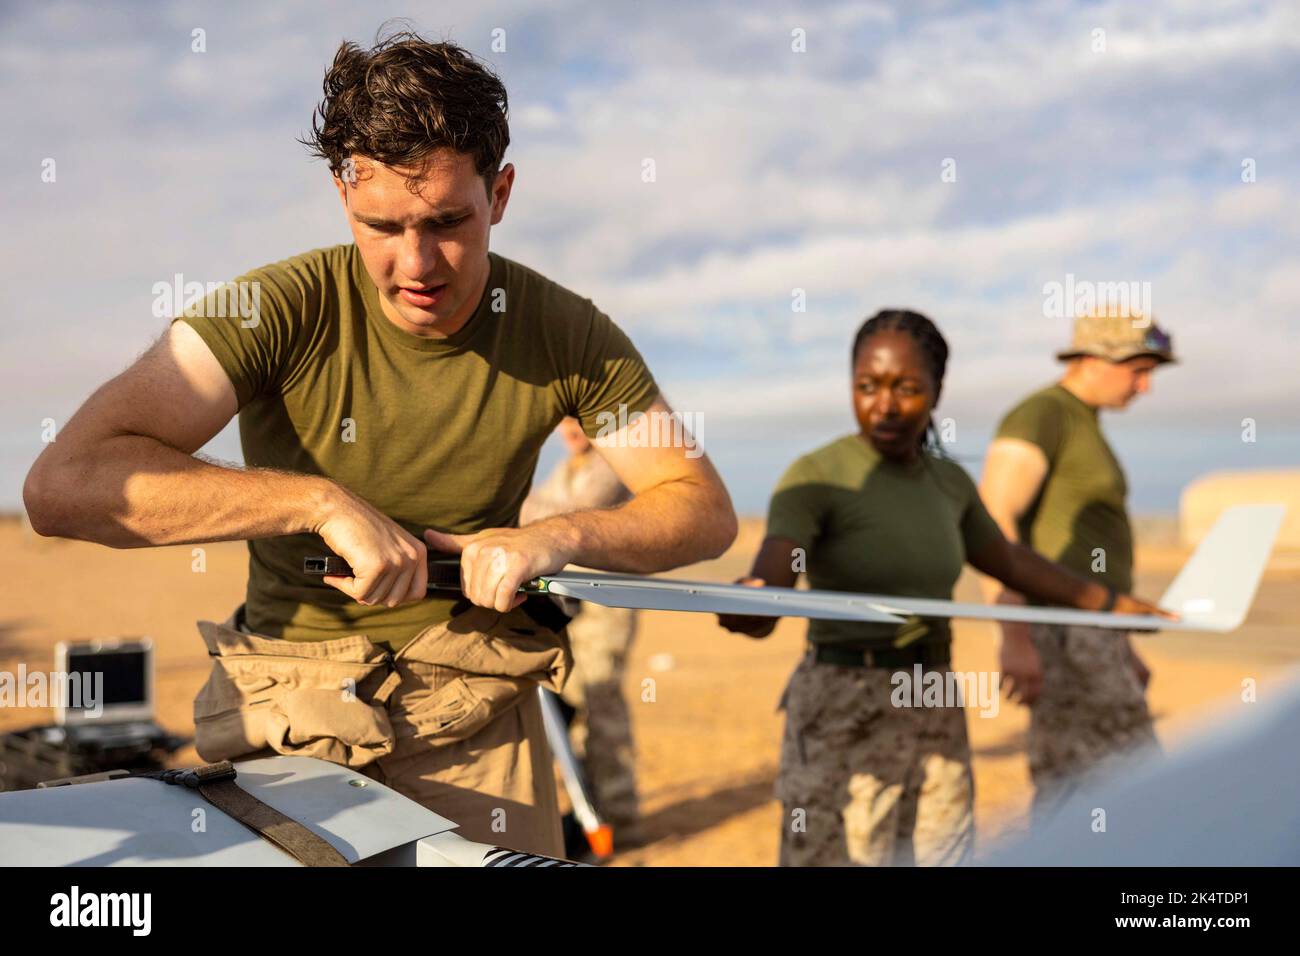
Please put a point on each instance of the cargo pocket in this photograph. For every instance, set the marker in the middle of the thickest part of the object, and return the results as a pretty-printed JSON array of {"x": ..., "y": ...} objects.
[
  {"x": 483, "y": 642},
  {"x": 328, "y": 724},
  {"x": 231, "y": 732},
  {"x": 460, "y": 675},
  {"x": 307, "y": 699},
  {"x": 436, "y": 709},
  {"x": 424, "y": 715}
]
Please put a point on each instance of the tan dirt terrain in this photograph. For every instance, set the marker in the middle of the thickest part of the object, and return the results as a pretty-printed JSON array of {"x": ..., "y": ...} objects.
[{"x": 708, "y": 741}]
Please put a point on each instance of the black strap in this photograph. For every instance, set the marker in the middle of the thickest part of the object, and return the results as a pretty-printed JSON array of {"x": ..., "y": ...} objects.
[
  {"x": 927, "y": 655},
  {"x": 216, "y": 783}
]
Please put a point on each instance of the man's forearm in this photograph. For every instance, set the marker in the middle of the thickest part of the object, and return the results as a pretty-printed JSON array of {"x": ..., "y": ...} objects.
[
  {"x": 131, "y": 491},
  {"x": 676, "y": 523},
  {"x": 995, "y": 592}
]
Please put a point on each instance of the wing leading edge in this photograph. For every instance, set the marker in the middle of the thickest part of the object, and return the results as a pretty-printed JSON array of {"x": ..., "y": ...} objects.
[{"x": 1212, "y": 592}]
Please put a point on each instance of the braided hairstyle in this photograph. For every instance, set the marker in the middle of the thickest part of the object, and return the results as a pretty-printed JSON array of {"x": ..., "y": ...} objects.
[{"x": 934, "y": 347}]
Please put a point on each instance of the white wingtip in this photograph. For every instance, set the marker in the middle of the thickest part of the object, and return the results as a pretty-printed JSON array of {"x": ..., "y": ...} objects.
[{"x": 1215, "y": 588}]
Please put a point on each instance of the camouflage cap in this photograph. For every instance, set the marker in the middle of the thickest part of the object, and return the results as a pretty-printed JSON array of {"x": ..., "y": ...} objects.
[{"x": 1118, "y": 337}]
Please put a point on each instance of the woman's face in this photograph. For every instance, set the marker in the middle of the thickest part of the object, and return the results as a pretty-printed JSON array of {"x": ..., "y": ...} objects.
[{"x": 893, "y": 394}]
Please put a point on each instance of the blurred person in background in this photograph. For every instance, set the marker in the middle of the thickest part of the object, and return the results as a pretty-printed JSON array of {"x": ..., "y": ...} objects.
[
  {"x": 1052, "y": 481},
  {"x": 601, "y": 639}
]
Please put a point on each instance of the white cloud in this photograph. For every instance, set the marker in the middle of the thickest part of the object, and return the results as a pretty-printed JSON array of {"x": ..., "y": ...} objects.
[{"x": 775, "y": 170}]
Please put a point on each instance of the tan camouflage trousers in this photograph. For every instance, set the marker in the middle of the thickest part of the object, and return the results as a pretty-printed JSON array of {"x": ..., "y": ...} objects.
[
  {"x": 601, "y": 638},
  {"x": 1091, "y": 712},
  {"x": 452, "y": 720},
  {"x": 864, "y": 782}
]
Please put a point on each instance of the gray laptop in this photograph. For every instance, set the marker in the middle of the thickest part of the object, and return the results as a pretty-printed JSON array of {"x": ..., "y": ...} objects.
[{"x": 107, "y": 697}]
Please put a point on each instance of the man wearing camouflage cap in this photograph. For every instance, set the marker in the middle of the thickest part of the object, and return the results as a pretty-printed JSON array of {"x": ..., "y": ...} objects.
[{"x": 1052, "y": 480}]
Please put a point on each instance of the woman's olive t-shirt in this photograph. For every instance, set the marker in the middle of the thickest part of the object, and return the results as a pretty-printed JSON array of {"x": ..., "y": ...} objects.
[{"x": 871, "y": 525}]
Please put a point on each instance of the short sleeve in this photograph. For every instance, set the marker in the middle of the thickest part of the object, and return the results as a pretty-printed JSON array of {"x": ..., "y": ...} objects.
[
  {"x": 1037, "y": 420},
  {"x": 798, "y": 504},
  {"x": 250, "y": 325},
  {"x": 611, "y": 375}
]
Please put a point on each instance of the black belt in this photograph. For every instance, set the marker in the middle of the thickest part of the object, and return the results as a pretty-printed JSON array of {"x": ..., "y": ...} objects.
[{"x": 927, "y": 655}]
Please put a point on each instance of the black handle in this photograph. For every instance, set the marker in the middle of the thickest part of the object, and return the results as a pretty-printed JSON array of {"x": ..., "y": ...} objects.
[{"x": 444, "y": 571}]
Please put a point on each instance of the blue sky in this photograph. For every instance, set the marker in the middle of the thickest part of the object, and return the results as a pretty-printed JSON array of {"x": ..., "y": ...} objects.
[{"x": 775, "y": 170}]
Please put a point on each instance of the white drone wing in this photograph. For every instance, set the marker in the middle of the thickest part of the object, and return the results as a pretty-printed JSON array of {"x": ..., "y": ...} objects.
[
  {"x": 661, "y": 594},
  {"x": 1212, "y": 592}
]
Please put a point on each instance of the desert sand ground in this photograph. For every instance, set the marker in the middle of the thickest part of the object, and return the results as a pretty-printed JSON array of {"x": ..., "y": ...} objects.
[{"x": 708, "y": 744}]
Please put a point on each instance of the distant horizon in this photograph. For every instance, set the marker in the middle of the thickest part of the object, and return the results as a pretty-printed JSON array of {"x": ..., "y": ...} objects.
[{"x": 1160, "y": 461}]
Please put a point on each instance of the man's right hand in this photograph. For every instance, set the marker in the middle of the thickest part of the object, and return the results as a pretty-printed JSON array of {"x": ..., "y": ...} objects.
[
  {"x": 748, "y": 624},
  {"x": 1022, "y": 669},
  {"x": 389, "y": 566}
]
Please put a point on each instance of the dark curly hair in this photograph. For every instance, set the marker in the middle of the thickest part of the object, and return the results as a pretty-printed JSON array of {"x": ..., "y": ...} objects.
[
  {"x": 934, "y": 347},
  {"x": 406, "y": 97}
]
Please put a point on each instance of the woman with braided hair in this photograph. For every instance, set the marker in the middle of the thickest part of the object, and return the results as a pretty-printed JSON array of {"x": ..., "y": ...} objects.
[{"x": 867, "y": 776}]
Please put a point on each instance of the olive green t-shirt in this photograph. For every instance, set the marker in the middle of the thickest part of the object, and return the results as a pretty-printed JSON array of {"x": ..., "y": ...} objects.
[
  {"x": 871, "y": 525},
  {"x": 1078, "y": 518},
  {"x": 435, "y": 433}
]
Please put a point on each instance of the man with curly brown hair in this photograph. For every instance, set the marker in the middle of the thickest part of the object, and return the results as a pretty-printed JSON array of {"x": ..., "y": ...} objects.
[{"x": 393, "y": 396}]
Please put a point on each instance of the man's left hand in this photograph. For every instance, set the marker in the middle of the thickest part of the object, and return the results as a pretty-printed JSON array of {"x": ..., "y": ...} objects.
[{"x": 495, "y": 562}]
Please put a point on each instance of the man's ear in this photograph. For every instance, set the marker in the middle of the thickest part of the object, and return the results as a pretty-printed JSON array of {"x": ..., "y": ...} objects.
[{"x": 500, "y": 195}]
